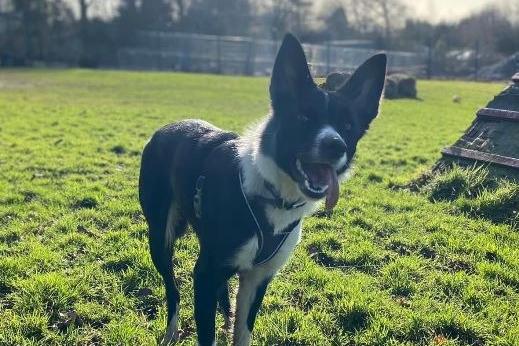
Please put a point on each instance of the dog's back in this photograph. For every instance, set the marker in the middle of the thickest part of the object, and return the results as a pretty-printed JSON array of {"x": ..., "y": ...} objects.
[{"x": 171, "y": 163}]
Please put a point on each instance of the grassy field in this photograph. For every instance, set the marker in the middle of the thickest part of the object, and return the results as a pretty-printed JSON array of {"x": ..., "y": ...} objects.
[{"x": 389, "y": 267}]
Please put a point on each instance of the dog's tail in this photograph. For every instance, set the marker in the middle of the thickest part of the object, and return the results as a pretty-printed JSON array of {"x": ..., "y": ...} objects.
[{"x": 165, "y": 222}]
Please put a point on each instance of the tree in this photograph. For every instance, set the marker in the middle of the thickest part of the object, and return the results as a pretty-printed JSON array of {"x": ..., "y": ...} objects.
[
  {"x": 127, "y": 22},
  {"x": 135, "y": 15},
  {"x": 281, "y": 16},
  {"x": 391, "y": 13},
  {"x": 180, "y": 11},
  {"x": 337, "y": 26},
  {"x": 156, "y": 14},
  {"x": 220, "y": 17},
  {"x": 84, "y": 5},
  {"x": 382, "y": 16},
  {"x": 484, "y": 28},
  {"x": 44, "y": 22}
]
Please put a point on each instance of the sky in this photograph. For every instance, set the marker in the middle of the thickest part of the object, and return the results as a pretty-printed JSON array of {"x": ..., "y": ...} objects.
[
  {"x": 431, "y": 10},
  {"x": 445, "y": 10}
]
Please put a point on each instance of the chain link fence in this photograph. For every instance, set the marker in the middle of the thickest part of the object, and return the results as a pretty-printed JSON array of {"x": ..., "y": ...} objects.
[{"x": 246, "y": 56}]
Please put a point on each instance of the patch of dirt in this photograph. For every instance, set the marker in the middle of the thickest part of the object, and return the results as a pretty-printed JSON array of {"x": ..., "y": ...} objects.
[
  {"x": 67, "y": 319},
  {"x": 29, "y": 196},
  {"x": 357, "y": 221},
  {"x": 118, "y": 150},
  {"x": 5, "y": 290},
  {"x": 457, "y": 265},
  {"x": 463, "y": 335},
  {"x": 85, "y": 203},
  {"x": 354, "y": 320},
  {"x": 324, "y": 259},
  {"x": 84, "y": 230},
  {"x": 428, "y": 253},
  {"x": 10, "y": 237},
  {"x": 117, "y": 265},
  {"x": 492, "y": 256},
  {"x": 375, "y": 178},
  {"x": 400, "y": 248},
  {"x": 148, "y": 304},
  {"x": 6, "y": 218}
]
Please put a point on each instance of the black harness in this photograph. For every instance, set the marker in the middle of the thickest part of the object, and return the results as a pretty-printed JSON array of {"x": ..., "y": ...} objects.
[
  {"x": 269, "y": 242},
  {"x": 276, "y": 199}
]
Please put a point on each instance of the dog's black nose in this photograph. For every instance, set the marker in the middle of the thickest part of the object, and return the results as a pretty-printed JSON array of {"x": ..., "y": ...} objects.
[{"x": 333, "y": 147}]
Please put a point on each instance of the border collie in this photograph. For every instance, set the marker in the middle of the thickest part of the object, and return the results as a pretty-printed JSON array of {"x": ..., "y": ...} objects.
[{"x": 245, "y": 197}]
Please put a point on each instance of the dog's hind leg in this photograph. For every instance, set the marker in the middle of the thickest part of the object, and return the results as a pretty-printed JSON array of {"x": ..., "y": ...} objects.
[
  {"x": 162, "y": 249},
  {"x": 165, "y": 225},
  {"x": 224, "y": 305}
]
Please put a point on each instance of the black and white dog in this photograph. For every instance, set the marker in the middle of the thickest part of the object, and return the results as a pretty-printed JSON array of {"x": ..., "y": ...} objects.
[{"x": 245, "y": 197}]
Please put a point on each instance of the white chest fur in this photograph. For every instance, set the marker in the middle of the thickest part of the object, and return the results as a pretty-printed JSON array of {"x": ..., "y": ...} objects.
[
  {"x": 255, "y": 168},
  {"x": 244, "y": 258}
]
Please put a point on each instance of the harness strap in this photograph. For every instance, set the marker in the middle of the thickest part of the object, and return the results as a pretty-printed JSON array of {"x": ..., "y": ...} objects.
[
  {"x": 259, "y": 233},
  {"x": 278, "y": 201},
  {"x": 272, "y": 243},
  {"x": 268, "y": 243}
]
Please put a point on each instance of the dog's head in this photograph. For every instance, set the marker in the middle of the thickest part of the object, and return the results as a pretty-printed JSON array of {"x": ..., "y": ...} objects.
[{"x": 312, "y": 134}]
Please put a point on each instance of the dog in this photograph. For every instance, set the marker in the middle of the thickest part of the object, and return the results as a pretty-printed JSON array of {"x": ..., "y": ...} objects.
[{"x": 245, "y": 197}]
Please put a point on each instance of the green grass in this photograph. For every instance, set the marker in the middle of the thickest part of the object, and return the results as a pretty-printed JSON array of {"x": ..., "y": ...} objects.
[
  {"x": 475, "y": 191},
  {"x": 389, "y": 267}
]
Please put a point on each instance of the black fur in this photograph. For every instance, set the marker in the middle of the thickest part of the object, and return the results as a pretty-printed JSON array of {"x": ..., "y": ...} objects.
[
  {"x": 300, "y": 109},
  {"x": 260, "y": 293},
  {"x": 178, "y": 154}
]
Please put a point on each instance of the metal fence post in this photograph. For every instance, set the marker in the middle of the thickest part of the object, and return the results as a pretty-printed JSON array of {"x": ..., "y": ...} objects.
[
  {"x": 188, "y": 55},
  {"x": 219, "y": 53},
  {"x": 251, "y": 54},
  {"x": 429, "y": 60},
  {"x": 476, "y": 61},
  {"x": 328, "y": 56}
]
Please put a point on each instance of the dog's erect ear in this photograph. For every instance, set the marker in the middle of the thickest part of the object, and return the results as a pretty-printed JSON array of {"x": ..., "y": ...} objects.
[
  {"x": 364, "y": 88},
  {"x": 290, "y": 75}
]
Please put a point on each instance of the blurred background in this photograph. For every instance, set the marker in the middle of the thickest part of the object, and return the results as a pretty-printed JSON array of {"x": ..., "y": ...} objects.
[{"x": 434, "y": 38}]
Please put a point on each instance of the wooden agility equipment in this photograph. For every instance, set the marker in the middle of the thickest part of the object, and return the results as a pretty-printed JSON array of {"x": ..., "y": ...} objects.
[{"x": 493, "y": 137}]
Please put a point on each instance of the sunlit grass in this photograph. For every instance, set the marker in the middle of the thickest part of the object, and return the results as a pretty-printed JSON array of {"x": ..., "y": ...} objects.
[{"x": 388, "y": 267}]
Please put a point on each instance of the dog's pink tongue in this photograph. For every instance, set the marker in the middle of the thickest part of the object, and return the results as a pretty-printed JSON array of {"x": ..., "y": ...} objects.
[
  {"x": 321, "y": 175},
  {"x": 332, "y": 196}
]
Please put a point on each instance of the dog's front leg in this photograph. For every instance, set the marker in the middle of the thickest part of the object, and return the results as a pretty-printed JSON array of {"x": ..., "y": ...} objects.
[
  {"x": 207, "y": 282},
  {"x": 253, "y": 285}
]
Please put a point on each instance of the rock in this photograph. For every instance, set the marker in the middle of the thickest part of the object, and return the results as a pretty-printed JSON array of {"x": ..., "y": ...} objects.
[
  {"x": 397, "y": 85},
  {"x": 334, "y": 80},
  {"x": 405, "y": 86},
  {"x": 391, "y": 89}
]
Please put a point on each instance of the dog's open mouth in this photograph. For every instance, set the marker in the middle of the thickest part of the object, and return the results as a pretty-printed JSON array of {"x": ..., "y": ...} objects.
[{"x": 319, "y": 180}]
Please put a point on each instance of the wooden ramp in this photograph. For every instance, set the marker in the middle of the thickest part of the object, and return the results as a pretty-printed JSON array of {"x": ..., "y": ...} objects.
[{"x": 493, "y": 137}]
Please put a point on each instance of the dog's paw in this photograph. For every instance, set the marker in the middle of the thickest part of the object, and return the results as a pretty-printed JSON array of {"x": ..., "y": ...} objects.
[
  {"x": 171, "y": 336},
  {"x": 169, "y": 339}
]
